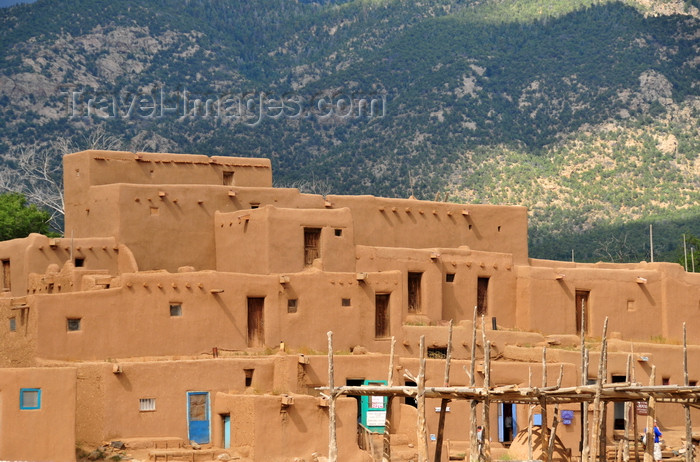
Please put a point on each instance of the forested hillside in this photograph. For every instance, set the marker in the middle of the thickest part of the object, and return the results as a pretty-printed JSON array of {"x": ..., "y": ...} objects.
[{"x": 586, "y": 112}]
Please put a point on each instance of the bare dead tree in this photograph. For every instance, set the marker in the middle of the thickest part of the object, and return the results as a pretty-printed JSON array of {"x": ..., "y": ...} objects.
[{"x": 36, "y": 171}]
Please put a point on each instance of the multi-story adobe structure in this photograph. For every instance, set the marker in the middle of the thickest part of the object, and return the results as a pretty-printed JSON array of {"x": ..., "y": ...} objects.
[{"x": 190, "y": 300}]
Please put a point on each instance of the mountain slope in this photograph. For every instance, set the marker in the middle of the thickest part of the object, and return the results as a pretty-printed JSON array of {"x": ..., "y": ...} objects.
[{"x": 585, "y": 112}]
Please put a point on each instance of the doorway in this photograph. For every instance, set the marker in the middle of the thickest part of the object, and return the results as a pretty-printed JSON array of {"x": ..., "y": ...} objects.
[
  {"x": 226, "y": 429},
  {"x": 256, "y": 326},
  {"x": 507, "y": 422},
  {"x": 582, "y": 309},
  {"x": 198, "y": 423}
]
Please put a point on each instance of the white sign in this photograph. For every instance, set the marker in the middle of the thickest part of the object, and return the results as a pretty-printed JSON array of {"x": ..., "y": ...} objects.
[
  {"x": 447, "y": 409},
  {"x": 376, "y": 418},
  {"x": 376, "y": 402}
]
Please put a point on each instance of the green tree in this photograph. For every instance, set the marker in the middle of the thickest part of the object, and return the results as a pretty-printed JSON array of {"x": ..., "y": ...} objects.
[
  {"x": 19, "y": 219},
  {"x": 691, "y": 256}
]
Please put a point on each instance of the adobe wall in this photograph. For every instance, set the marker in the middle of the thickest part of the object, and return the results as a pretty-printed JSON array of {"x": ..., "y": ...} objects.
[
  {"x": 37, "y": 253},
  {"x": 443, "y": 299},
  {"x": 417, "y": 224},
  {"x": 84, "y": 169},
  {"x": 641, "y": 301},
  {"x": 135, "y": 319},
  {"x": 168, "y": 226},
  {"x": 43, "y": 434},
  {"x": 271, "y": 240},
  {"x": 266, "y": 430}
]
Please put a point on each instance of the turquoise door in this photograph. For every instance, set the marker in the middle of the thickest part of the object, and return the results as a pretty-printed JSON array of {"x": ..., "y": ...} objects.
[
  {"x": 198, "y": 423},
  {"x": 226, "y": 420},
  {"x": 373, "y": 409}
]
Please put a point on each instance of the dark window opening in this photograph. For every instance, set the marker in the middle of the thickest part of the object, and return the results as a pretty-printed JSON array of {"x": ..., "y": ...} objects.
[
  {"x": 409, "y": 400},
  {"x": 356, "y": 383},
  {"x": 228, "y": 178},
  {"x": 381, "y": 316},
  {"x": 175, "y": 309},
  {"x": 482, "y": 287},
  {"x": 6, "y": 275},
  {"x": 619, "y": 409},
  {"x": 79, "y": 262},
  {"x": 292, "y": 305},
  {"x": 414, "y": 292},
  {"x": 437, "y": 352},
  {"x": 450, "y": 277},
  {"x": 13, "y": 324},
  {"x": 256, "y": 328},
  {"x": 693, "y": 383},
  {"x": 338, "y": 232},
  {"x": 255, "y": 205},
  {"x": 665, "y": 380},
  {"x": 49, "y": 287},
  {"x": 312, "y": 239},
  {"x": 582, "y": 309},
  {"x": 73, "y": 324},
  {"x": 499, "y": 229},
  {"x": 248, "y": 377},
  {"x": 346, "y": 302}
]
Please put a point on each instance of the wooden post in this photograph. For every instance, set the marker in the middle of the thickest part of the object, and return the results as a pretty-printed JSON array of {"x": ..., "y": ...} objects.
[
  {"x": 635, "y": 426},
  {"x": 422, "y": 430},
  {"x": 332, "y": 439},
  {"x": 485, "y": 443},
  {"x": 595, "y": 432},
  {"x": 544, "y": 429},
  {"x": 626, "y": 446},
  {"x": 386, "y": 441},
  {"x": 689, "y": 456},
  {"x": 529, "y": 417},
  {"x": 555, "y": 420},
  {"x": 444, "y": 401},
  {"x": 651, "y": 415},
  {"x": 473, "y": 444},
  {"x": 584, "y": 382},
  {"x": 603, "y": 433}
]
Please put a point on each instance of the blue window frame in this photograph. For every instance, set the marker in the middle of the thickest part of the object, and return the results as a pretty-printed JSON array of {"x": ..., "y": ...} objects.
[{"x": 30, "y": 398}]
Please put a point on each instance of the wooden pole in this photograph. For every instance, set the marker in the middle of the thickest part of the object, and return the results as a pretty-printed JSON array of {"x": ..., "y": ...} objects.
[
  {"x": 626, "y": 446},
  {"x": 529, "y": 417},
  {"x": 386, "y": 440},
  {"x": 595, "y": 432},
  {"x": 635, "y": 425},
  {"x": 332, "y": 439},
  {"x": 544, "y": 429},
  {"x": 485, "y": 443},
  {"x": 651, "y": 415},
  {"x": 555, "y": 419},
  {"x": 473, "y": 444},
  {"x": 584, "y": 382},
  {"x": 444, "y": 401},
  {"x": 689, "y": 456},
  {"x": 422, "y": 430},
  {"x": 603, "y": 436}
]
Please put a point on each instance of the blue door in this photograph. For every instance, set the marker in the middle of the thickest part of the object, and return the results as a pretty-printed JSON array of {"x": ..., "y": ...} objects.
[
  {"x": 507, "y": 422},
  {"x": 373, "y": 409},
  {"x": 198, "y": 416},
  {"x": 226, "y": 420}
]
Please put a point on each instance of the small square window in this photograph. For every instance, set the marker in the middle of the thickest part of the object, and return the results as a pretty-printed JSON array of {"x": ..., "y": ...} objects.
[
  {"x": 338, "y": 232},
  {"x": 292, "y": 305},
  {"x": 255, "y": 205},
  {"x": 30, "y": 398},
  {"x": 175, "y": 309},
  {"x": 73, "y": 324},
  {"x": 666, "y": 381},
  {"x": 450, "y": 277},
  {"x": 346, "y": 302},
  {"x": 79, "y": 262},
  {"x": 13, "y": 324},
  {"x": 147, "y": 404},
  {"x": 693, "y": 383}
]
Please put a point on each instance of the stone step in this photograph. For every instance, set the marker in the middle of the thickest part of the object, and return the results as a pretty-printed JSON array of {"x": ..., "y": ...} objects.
[{"x": 181, "y": 454}]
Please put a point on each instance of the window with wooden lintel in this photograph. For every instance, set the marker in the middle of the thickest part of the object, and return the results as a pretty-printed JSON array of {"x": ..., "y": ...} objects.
[
  {"x": 228, "y": 178},
  {"x": 312, "y": 245},
  {"x": 414, "y": 292}
]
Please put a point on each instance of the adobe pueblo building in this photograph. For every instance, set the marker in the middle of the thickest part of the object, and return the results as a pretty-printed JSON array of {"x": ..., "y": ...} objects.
[{"x": 187, "y": 312}]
